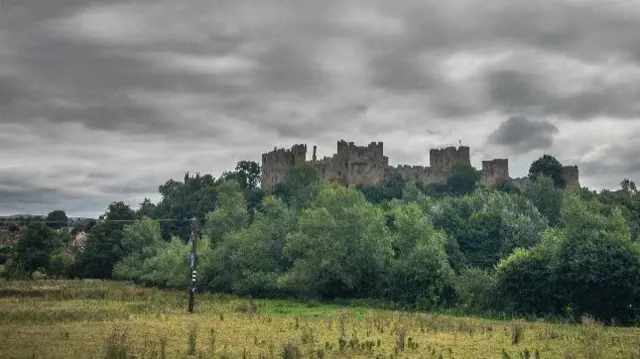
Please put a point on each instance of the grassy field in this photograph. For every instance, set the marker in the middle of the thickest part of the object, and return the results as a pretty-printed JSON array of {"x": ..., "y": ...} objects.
[{"x": 95, "y": 319}]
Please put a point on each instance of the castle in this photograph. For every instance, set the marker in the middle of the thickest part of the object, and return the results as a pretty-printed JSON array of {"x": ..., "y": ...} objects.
[{"x": 367, "y": 166}]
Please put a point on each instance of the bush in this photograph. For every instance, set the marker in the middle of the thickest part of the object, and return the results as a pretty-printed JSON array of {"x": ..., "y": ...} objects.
[
  {"x": 419, "y": 271},
  {"x": 476, "y": 290},
  {"x": 590, "y": 266},
  {"x": 62, "y": 264}
]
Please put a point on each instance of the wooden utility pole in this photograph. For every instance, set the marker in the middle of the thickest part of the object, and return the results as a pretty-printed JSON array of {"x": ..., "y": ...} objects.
[{"x": 193, "y": 262}]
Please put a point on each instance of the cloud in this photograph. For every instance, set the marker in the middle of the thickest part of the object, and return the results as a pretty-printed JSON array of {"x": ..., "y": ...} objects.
[
  {"x": 521, "y": 134},
  {"x": 107, "y": 100},
  {"x": 556, "y": 86}
]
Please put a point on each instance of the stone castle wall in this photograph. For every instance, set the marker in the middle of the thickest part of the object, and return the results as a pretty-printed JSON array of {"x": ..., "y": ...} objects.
[
  {"x": 367, "y": 166},
  {"x": 495, "y": 171},
  {"x": 353, "y": 165},
  {"x": 420, "y": 174},
  {"x": 277, "y": 164},
  {"x": 446, "y": 158},
  {"x": 442, "y": 161}
]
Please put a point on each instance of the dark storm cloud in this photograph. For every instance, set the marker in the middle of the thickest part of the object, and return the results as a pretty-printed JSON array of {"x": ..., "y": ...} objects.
[
  {"x": 117, "y": 90},
  {"x": 521, "y": 134},
  {"x": 531, "y": 91},
  {"x": 16, "y": 195},
  {"x": 11, "y": 91},
  {"x": 616, "y": 159}
]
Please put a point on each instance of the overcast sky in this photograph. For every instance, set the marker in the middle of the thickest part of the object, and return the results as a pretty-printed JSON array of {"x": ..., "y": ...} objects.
[{"x": 105, "y": 100}]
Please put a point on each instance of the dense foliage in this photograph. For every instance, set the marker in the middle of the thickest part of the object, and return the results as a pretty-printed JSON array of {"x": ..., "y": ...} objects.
[{"x": 533, "y": 249}]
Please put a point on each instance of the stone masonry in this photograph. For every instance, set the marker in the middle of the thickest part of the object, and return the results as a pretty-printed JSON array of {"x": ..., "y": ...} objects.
[{"x": 367, "y": 166}]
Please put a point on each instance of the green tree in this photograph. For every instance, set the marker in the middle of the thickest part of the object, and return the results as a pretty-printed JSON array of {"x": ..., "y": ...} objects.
[
  {"x": 340, "y": 246},
  {"x": 546, "y": 197},
  {"x": 625, "y": 202},
  {"x": 147, "y": 209},
  {"x": 37, "y": 242},
  {"x": 195, "y": 197},
  {"x": 507, "y": 186},
  {"x": 167, "y": 265},
  {"x": 302, "y": 186},
  {"x": 590, "y": 266},
  {"x": 250, "y": 260},
  {"x": 140, "y": 236},
  {"x": 419, "y": 272},
  {"x": 629, "y": 186},
  {"x": 248, "y": 174},
  {"x": 476, "y": 290},
  {"x": 57, "y": 219},
  {"x": 62, "y": 264},
  {"x": 548, "y": 166},
  {"x": 231, "y": 214},
  {"x": 391, "y": 188},
  {"x": 104, "y": 242},
  {"x": 488, "y": 225},
  {"x": 141, "y": 240},
  {"x": 463, "y": 180}
]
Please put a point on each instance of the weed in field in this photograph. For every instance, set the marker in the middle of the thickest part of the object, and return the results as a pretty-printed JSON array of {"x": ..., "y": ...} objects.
[
  {"x": 248, "y": 307},
  {"x": 290, "y": 350},
  {"x": 342, "y": 319},
  {"x": 517, "y": 332},
  {"x": 118, "y": 344},
  {"x": 401, "y": 334},
  {"x": 212, "y": 341},
  {"x": 591, "y": 343},
  {"x": 192, "y": 341},
  {"x": 308, "y": 336}
]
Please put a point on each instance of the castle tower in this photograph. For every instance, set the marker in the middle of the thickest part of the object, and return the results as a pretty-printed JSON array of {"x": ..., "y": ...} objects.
[
  {"x": 299, "y": 154},
  {"x": 495, "y": 171},
  {"x": 445, "y": 159},
  {"x": 571, "y": 176},
  {"x": 277, "y": 164}
]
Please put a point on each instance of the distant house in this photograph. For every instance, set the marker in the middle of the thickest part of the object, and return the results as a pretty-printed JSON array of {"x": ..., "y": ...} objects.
[
  {"x": 79, "y": 241},
  {"x": 6, "y": 237}
]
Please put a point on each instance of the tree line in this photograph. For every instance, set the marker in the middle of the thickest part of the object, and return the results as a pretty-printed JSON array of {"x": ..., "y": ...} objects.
[{"x": 534, "y": 249}]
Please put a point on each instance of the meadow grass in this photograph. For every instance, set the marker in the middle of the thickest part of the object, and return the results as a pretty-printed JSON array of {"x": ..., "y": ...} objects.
[{"x": 102, "y": 319}]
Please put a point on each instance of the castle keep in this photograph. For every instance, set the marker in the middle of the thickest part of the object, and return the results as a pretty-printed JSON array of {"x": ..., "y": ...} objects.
[{"x": 368, "y": 166}]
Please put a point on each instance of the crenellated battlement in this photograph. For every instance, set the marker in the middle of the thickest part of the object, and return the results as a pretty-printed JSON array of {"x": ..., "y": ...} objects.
[
  {"x": 277, "y": 163},
  {"x": 356, "y": 165},
  {"x": 449, "y": 157},
  {"x": 347, "y": 148}
]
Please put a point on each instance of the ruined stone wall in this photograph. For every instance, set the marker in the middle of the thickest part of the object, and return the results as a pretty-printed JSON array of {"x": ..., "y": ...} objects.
[
  {"x": 442, "y": 161},
  {"x": 421, "y": 174},
  {"x": 571, "y": 176},
  {"x": 354, "y": 165},
  {"x": 277, "y": 164},
  {"x": 447, "y": 158},
  {"x": 495, "y": 171}
]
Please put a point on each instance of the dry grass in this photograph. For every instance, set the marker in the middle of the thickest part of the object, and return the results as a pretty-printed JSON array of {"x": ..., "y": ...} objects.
[{"x": 93, "y": 319}]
